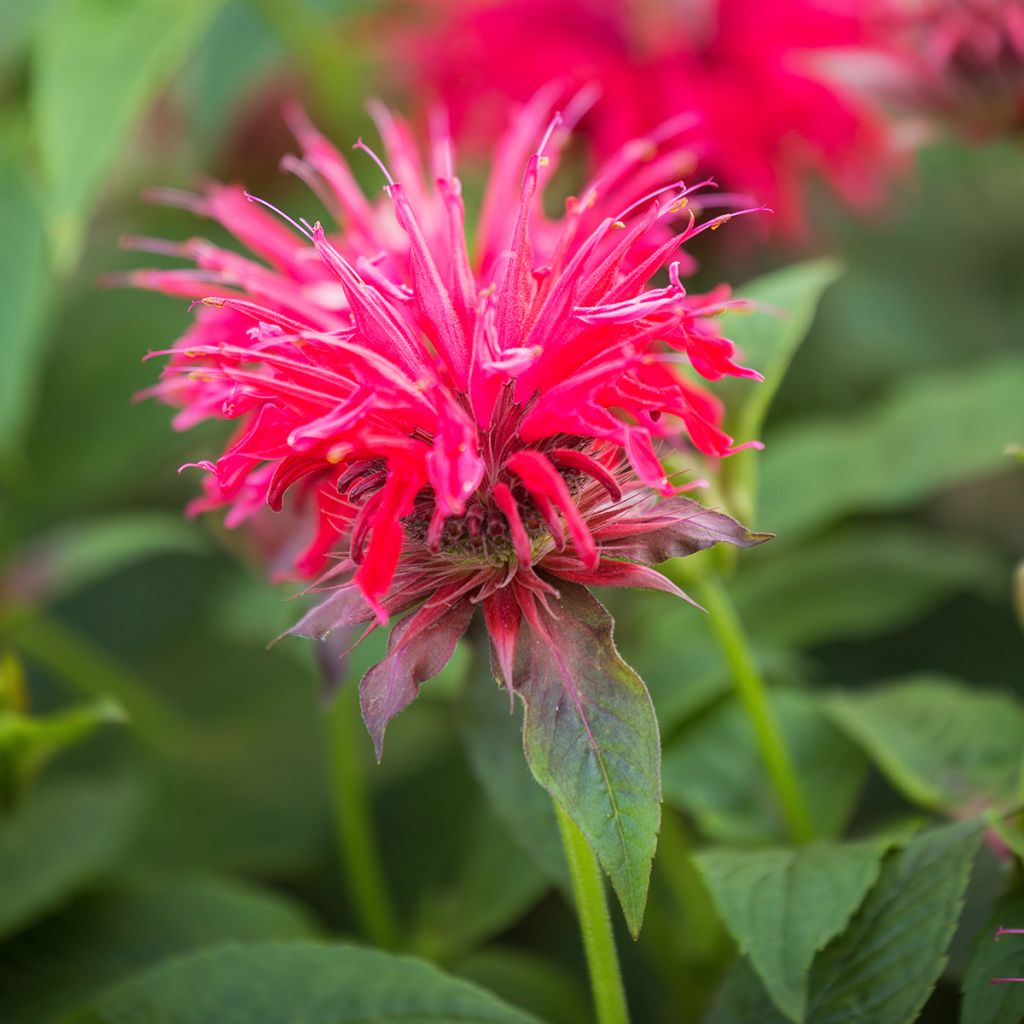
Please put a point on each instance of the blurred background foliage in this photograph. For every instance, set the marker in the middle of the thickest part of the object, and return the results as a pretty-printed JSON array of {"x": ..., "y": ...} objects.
[{"x": 164, "y": 777}]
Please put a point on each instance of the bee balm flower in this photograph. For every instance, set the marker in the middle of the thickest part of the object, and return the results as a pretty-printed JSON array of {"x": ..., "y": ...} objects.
[{"x": 460, "y": 427}]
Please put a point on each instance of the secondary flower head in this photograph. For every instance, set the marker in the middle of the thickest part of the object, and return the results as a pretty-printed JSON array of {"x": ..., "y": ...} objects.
[
  {"x": 459, "y": 427},
  {"x": 763, "y": 82}
]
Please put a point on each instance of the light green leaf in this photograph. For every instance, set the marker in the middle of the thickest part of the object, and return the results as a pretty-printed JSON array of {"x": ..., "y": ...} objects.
[
  {"x": 24, "y": 292},
  {"x": 860, "y": 582},
  {"x": 945, "y": 746},
  {"x": 591, "y": 739},
  {"x": 767, "y": 340},
  {"x": 713, "y": 771},
  {"x": 63, "y": 835},
  {"x": 935, "y": 430},
  {"x": 125, "y": 50},
  {"x": 128, "y": 926},
  {"x": 271, "y": 983},
  {"x": 784, "y": 905},
  {"x": 492, "y": 736},
  {"x": 1003, "y": 957}
]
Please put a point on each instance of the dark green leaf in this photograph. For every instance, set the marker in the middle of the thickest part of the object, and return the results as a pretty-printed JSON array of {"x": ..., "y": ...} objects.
[
  {"x": 123, "y": 928},
  {"x": 296, "y": 983},
  {"x": 591, "y": 739},
  {"x": 62, "y": 836},
  {"x": 947, "y": 747},
  {"x": 784, "y": 905},
  {"x": 933, "y": 431},
  {"x": 125, "y": 50},
  {"x": 1003, "y": 957},
  {"x": 713, "y": 771}
]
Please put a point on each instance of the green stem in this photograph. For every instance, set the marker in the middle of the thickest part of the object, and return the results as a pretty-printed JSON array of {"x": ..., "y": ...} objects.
[
  {"x": 353, "y": 823},
  {"x": 753, "y": 695},
  {"x": 595, "y": 924}
]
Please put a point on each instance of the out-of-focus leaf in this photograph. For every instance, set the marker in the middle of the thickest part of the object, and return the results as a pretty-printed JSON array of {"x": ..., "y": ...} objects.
[
  {"x": 882, "y": 968},
  {"x": 24, "y": 291},
  {"x": 494, "y": 744},
  {"x": 494, "y": 885},
  {"x": 125, "y": 50},
  {"x": 76, "y": 555},
  {"x": 767, "y": 341},
  {"x": 784, "y": 905},
  {"x": 18, "y": 19},
  {"x": 713, "y": 771},
  {"x": 1002, "y": 957},
  {"x": 945, "y": 746},
  {"x": 535, "y": 983},
  {"x": 268, "y": 983},
  {"x": 63, "y": 835},
  {"x": 591, "y": 740},
  {"x": 28, "y": 743},
  {"x": 125, "y": 927},
  {"x": 858, "y": 583},
  {"x": 930, "y": 433}
]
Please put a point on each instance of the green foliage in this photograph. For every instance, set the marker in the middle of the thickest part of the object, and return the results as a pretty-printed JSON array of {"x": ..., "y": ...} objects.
[
  {"x": 272, "y": 983},
  {"x": 712, "y": 770},
  {"x": 127, "y": 926},
  {"x": 1003, "y": 957},
  {"x": 784, "y": 905},
  {"x": 62, "y": 836},
  {"x": 945, "y": 746},
  {"x": 591, "y": 740},
  {"x": 81, "y": 131},
  {"x": 929, "y": 433}
]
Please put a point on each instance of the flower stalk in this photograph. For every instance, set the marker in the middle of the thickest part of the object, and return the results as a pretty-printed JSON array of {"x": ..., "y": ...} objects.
[{"x": 595, "y": 924}]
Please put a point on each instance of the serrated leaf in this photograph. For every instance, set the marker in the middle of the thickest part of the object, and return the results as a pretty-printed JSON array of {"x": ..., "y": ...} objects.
[
  {"x": 945, "y": 746},
  {"x": 768, "y": 340},
  {"x": 81, "y": 131},
  {"x": 128, "y": 926},
  {"x": 62, "y": 836},
  {"x": 860, "y": 582},
  {"x": 784, "y": 905},
  {"x": 933, "y": 431},
  {"x": 270, "y": 983},
  {"x": 493, "y": 740},
  {"x": 986, "y": 1002},
  {"x": 713, "y": 771},
  {"x": 591, "y": 739}
]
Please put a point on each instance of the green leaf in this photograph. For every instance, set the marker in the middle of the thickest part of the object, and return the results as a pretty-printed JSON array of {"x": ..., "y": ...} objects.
[
  {"x": 767, "y": 341},
  {"x": 125, "y": 50},
  {"x": 933, "y": 431},
  {"x": 27, "y": 743},
  {"x": 125, "y": 927},
  {"x": 61, "y": 837},
  {"x": 945, "y": 746},
  {"x": 24, "y": 291},
  {"x": 271, "y": 983},
  {"x": 1002, "y": 957},
  {"x": 713, "y": 771},
  {"x": 860, "y": 582},
  {"x": 883, "y": 967},
  {"x": 67, "y": 559},
  {"x": 591, "y": 739},
  {"x": 784, "y": 905},
  {"x": 493, "y": 740}
]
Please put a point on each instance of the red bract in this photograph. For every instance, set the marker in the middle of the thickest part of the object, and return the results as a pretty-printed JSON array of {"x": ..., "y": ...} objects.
[
  {"x": 458, "y": 429},
  {"x": 759, "y": 80}
]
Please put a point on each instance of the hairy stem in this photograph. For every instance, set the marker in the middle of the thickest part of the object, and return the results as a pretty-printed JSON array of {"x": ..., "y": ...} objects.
[
  {"x": 353, "y": 824},
  {"x": 595, "y": 924},
  {"x": 753, "y": 695}
]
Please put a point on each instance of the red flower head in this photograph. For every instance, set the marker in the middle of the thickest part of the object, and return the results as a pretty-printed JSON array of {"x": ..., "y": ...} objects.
[
  {"x": 758, "y": 79},
  {"x": 459, "y": 430}
]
